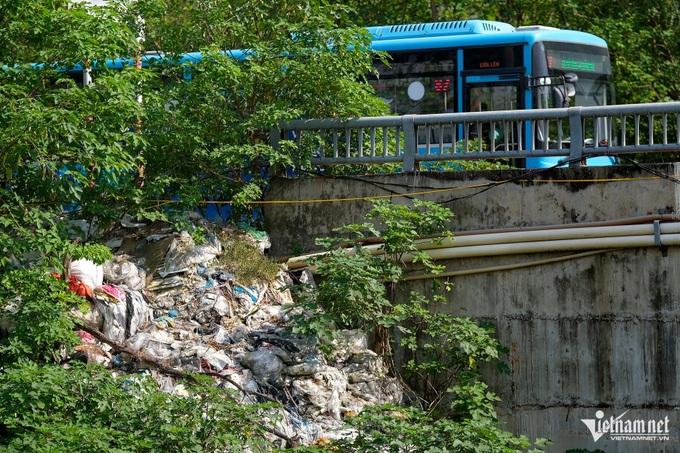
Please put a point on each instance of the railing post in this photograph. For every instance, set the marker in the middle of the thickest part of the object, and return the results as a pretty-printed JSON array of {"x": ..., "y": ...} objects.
[
  {"x": 410, "y": 143},
  {"x": 575, "y": 137}
]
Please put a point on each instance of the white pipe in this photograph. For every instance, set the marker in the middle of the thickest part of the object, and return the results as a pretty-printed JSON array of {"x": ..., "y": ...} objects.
[
  {"x": 541, "y": 240},
  {"x": 547, "y": 246},
  {"x": 549, "y": 235},
  {"x": 521, "y": 248}
]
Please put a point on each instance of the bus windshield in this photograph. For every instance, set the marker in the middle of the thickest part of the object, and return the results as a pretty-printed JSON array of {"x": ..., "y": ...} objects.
[{"x": 592, "y": 67}]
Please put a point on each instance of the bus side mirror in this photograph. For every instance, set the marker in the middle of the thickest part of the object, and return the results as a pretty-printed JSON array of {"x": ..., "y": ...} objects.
[
  {"x": 570, "y": 77},
  {"x": 569, "y": 80}
]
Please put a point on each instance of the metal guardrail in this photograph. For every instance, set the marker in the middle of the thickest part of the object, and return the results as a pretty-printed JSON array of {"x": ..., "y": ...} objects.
[{"x": 571, "y": 133}]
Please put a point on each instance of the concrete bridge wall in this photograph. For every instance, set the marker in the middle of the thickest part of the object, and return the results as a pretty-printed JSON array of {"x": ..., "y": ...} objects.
[{"x": 585, "y": 333}]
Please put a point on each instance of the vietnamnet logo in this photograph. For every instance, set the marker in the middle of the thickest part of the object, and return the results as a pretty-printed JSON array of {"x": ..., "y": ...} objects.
[{"x": 620, "y": 429}]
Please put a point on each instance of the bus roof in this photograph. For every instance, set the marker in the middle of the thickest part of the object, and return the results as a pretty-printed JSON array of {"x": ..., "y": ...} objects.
[
  {"x": 459, "y": 27},
  {"x": 471, "y": 33}
]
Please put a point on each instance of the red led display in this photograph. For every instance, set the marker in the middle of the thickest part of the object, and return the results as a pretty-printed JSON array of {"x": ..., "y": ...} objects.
[{"x": 441, "y": 85}]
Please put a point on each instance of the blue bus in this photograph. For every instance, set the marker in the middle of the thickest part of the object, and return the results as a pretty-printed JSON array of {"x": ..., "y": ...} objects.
[{"x": 480, "y": 65}]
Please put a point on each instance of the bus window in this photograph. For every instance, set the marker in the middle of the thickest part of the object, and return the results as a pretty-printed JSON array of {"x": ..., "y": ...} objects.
[
  {"x": 492, "y": 97},
  {"x": 419, "y": 82},
  {"x": 590, "y": 64},
  {"x": 493, "y": 58},
  {"x": 572, "y": 74}
]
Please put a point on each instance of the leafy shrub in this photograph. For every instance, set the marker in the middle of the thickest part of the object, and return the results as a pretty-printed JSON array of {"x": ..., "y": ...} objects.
[
  {"x": 356, "y": 290},
  {"x": 411, "y": 430},
  {"x": 86, "y": 408},
  {"x": 38, "y": 304}
]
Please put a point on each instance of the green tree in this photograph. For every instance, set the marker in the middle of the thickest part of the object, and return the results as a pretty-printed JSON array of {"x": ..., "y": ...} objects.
[
  {"x": 65, "y": 151},
  {"x": 201, "y": 129},
  {"x": 86, "y": 408},
  {"x": 356, "y": 289},
  {"x": 216, "y": 114},
  {"x": 73, "y": 159},
  {"x": 393, "y": 12}
]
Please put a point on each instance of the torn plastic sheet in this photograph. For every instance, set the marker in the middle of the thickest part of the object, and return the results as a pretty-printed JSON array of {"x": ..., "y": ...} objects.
[
  {"x": 294, "y": 425},
  {"x": 124, "y": 273},
  {"x": 218, "y": 359},
  {"x": 264, "y": 364},
  {"x": 139, "y": 313},
  {"x": 158, "y": 344},
  {"x": 323, "y": 393},
  {"x": 122, "y": 319},
  {"x": 114, "y": 322},
  {"x": 216, "y": 302},
  {"x": 221, "y": 336},
  {"x": 246, "y": 295},
  {"x": 165, "y": 284},
  {"x": 184, "y": 253}
]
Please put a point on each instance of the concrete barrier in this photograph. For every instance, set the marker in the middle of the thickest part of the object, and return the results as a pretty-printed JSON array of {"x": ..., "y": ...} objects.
[{"x": 592, "y": 338}]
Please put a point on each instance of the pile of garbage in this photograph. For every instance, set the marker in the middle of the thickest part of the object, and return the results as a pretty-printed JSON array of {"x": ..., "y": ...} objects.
[{"x": 164, "y": 303}]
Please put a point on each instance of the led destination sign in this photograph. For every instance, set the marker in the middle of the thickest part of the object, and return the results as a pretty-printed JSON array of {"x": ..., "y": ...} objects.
[{"x": 575, "y": 61}]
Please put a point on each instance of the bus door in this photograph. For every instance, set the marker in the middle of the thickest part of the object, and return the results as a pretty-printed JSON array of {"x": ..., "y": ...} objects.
[{"x": 493, "y": 92}]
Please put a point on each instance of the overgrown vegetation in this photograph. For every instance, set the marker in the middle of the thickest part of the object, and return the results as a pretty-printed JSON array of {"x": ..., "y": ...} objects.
[
  {"x": 76, "y": 156},
  {"x": 356, "y": 290},
  {"x": 86, "y": 408},
  {"x": 410, "y": 430},
  {"x": 97, "y": 153},
  {"x": 50, "y": 401},
  {"x": 38, "y": 304},
  {"x": 242, "y": 256}
]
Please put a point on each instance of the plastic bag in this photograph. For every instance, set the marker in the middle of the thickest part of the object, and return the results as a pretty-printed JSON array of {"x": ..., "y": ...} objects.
[
  {"x": 184, "y": 253},
  {"x": 120, "y": 271},
  {"x": 138, "y": 312},
  {"x": 264, "y": 364},
  {"x": 87, "y": 272},
  {"x": 114, "y": 319}
]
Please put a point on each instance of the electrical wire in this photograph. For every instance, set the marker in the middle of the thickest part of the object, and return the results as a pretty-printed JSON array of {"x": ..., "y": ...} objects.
[
  {"x": 651, "y": 170},
  {"x": 528, "y": 176}
]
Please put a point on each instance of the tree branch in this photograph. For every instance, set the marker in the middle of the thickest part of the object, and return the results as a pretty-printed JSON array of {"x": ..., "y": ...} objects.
[{"x": 166, "y": 369}]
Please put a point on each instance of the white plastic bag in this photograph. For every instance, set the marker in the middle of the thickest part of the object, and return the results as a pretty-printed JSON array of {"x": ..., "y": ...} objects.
[{"x": 87, "y": 272}]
